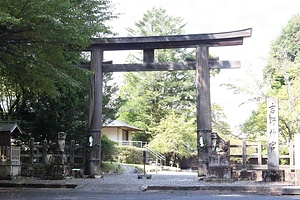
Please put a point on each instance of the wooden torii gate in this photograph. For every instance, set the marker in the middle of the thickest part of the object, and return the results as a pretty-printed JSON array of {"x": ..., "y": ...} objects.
[{"x": 202, "y": 65}]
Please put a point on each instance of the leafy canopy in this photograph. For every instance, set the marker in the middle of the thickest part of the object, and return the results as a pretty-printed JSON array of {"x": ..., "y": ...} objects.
[
  {"x": 40, "y": 45},
  {"x": 282, "y": 74},
  {"x": 40, "y": 40},
  {"x": 157, "y": 93},
  {"x": 163, "y": 103}
]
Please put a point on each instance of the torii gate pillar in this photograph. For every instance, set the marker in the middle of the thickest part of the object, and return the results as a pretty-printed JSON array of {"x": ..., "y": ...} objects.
[
  {"x": 203, "y": 108},
  {"x": 93, "y": 153}
]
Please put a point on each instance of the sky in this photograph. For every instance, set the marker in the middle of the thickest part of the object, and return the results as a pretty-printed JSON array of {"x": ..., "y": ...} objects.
[{"x": 265, "y": 17}]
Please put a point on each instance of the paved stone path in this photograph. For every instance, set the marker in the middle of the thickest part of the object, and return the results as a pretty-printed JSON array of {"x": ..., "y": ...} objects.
[{"x": 163, "y": 180}]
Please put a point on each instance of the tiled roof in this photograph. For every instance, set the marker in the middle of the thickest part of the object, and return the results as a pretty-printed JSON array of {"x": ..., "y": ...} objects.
[
  {"x": 120, "y": 124},
  {"x": 10, "y": 127}
]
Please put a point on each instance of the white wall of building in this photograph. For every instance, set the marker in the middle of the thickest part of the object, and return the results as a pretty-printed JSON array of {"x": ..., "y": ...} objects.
[{"x": 115, "y": 133}]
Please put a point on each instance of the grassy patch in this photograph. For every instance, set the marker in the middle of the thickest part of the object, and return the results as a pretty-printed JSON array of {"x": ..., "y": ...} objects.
[{"x": 110, "y": 168}]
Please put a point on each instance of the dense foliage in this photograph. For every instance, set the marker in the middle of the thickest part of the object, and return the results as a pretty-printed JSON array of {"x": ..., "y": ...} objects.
[
  {"x": 108, "y": 149},
  {"x": 157, "y": 93},
  {"x": 282, "y": 75},
  {"x": 163, "y": 103},
  {"x": 128, "y": 154},
  {"x": 40, "y": 45}
]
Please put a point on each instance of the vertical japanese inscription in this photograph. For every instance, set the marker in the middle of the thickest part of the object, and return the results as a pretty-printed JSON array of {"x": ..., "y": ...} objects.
[{"x": 272, "y": 132}]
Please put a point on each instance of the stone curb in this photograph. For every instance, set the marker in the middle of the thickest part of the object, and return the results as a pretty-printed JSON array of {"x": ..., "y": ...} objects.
[
  {"x": 290, "y": 190},
  {"x": 37, "y": 185},
  {"x": 272, "y": 190}
]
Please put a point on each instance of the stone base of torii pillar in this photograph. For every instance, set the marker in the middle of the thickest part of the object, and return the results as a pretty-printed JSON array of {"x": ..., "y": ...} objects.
[{"x": 219, "y": 160}]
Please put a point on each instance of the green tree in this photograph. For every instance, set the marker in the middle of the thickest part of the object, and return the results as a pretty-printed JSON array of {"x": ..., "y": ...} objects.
[
  {"x": 281, "y": 74},
  {"x": 151, "y": 98},
  {"x": 175, "y": 136},
  {"x": 40, "y": 45},
  {"x": 41, "y": 40},
  {"x": 219, "y": 122},
  {"x": 157, "y": 93},
  {"x": 108, "y": 148},
  {"x": 255, "y": 126},
  {"x": 157, "y": 22}
]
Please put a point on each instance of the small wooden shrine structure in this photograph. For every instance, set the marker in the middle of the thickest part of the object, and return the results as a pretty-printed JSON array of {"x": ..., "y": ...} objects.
[
  {"x": 10, "y": 164},
  {"x": 202, "y": 65}
]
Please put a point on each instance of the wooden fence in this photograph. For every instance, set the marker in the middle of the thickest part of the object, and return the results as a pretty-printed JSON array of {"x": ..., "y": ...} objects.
[
  {"x": 41, "y": 153},
  {"x": 254, "y": 156},
  {"x": 35, "y": 156},
  {"x": 251, "y": 156}
]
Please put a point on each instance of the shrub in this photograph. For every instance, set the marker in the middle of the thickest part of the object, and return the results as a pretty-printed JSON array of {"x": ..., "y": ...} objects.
[
  {"x": 108, "y": 149},
  {"x": 130, "y": 155}
]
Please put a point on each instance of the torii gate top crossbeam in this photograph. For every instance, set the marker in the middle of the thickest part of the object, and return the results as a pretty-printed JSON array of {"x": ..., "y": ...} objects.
[{"x": 172, "y": 41}]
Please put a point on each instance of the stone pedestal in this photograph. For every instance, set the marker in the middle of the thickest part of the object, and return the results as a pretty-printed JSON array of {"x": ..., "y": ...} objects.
[
  {"x": 297, "y": 177},
  {"x": 219, "y": 167},
  {"x": 219, "y": 160},
  {"x": 10, "y": 169},
  {"x": 247, "y": 175},
  {"x": 273, "y": 175},
  {"x": 58, "y": 167}
]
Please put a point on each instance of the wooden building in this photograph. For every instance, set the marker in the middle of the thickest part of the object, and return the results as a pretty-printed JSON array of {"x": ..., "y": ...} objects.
[
  {"x": 7, "y": 131},
  {"x": 10, "y": 165},
  {"x": 120, "y": 132}
]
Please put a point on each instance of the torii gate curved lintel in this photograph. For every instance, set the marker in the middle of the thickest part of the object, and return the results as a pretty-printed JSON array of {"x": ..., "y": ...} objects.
[{"x": 202, "y": 65}]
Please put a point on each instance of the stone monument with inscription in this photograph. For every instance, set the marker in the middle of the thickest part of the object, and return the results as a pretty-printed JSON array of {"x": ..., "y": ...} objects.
[
  {"x": 272, "y": 132},
  {"x": 273, "y": 173}
]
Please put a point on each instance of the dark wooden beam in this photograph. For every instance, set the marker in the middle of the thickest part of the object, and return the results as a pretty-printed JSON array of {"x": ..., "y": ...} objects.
[
  {"x": 87, "y": 65},
  {"x": 172, "y": 41},
  {"x": 191, "y": 65},
  {"x": 148, "y": 55}
]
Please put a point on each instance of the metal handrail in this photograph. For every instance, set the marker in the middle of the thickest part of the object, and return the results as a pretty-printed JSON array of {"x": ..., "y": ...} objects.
[
  {"x": 156, "y": 154},
  {"x": 139, "y": 144}
]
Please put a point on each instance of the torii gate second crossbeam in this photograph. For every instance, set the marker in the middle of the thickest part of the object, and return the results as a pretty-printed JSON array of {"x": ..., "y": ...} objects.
[{"x": 202, "y": 65}]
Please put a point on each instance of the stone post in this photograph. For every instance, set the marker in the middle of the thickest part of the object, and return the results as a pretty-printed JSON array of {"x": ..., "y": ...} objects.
[
  {"x": 273, "y": 173},
  {"x": 259, "y": 153},
  {"x": 72, "y": 152},
  {"x": 272, "y": 132},
  {"x": 297, "y": 159},
  {"x": 61, "y": 141},
  {"x": 62, "y": 168},
  {"x": 244, "y": 153},
  {"x": 44, "y": 158},
  {"x": 31, "y": 151}
]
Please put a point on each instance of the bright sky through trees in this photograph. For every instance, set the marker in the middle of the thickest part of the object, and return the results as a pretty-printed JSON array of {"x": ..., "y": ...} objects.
[{"x": 209, "y": 16}]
